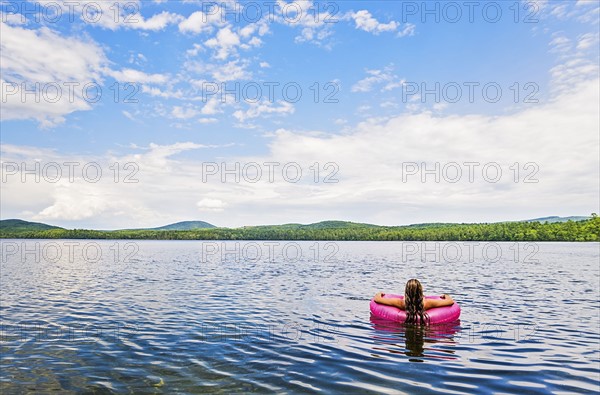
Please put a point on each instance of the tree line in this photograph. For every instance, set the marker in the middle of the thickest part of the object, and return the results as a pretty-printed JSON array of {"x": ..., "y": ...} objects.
[{"x": 587, "y": 230}]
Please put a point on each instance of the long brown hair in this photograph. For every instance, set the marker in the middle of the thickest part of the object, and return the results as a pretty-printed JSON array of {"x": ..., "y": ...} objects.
[{"x": 415, "y": 303}]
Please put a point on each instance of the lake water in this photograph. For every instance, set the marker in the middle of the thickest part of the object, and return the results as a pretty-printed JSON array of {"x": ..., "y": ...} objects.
[{"x": 293, "y": 317}]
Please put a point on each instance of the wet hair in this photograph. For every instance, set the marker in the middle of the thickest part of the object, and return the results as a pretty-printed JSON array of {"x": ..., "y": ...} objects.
[{"x": 415, "y": 303}]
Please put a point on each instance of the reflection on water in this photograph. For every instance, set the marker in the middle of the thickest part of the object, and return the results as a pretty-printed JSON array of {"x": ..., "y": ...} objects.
[
  {"x": 178, "y": 317},
  {"x": 433, "y": 341}
]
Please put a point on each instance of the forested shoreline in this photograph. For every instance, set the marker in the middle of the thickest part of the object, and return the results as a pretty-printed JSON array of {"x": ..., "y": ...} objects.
[{"x": 587, "y": 230}]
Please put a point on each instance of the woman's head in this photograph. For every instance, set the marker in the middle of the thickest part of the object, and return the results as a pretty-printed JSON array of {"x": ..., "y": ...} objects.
[
  {"x": 414, "y": 302},
  {"x": 414, "y": 288}
]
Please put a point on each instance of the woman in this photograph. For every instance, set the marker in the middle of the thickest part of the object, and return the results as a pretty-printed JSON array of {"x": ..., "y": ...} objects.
[{"x": 414, "y": 303}]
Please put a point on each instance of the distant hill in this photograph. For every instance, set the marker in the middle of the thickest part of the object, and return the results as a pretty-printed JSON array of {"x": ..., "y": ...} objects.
[
  {"x": 559, "y": 230},
  {"x": 321, "y": 225},
  {"x": 555, "y": 218},
  {"x": 185, "y": 225},
  {"x": 19, "y": 225},
  {"x": 338, "y": 225}
]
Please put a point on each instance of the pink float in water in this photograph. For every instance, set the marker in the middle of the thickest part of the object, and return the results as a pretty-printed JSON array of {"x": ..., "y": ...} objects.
[{"x": 437, "y": 315}]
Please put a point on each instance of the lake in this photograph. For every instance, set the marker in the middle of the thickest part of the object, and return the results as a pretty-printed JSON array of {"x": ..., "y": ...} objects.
[{"x": 293, "y": 317}]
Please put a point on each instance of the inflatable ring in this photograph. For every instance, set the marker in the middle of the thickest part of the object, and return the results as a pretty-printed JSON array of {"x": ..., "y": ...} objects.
[{"x": 437, "y": 315}]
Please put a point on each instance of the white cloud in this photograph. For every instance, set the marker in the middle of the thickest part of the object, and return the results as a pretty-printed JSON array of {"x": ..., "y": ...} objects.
[
  {"x": 389, "y": 104},
  {"x": 365, "y": 21},
  {"x": 587, "y": 40},
  {"x": 225, "y": 43},
  {"x": 560, "y": 44},
  {"x": 315, "y": 27},
  {"x": 13, "y": 19},
  {"x": 136, "y": 76},
  {"x": 440, "y": 106},
  {"x": 111, "y": 15},
  {"x": 56, "y": 58},
  {"x": 253, "y": 42},
  {"x": 230, "y": 71},
  {"x": 137, "y": 59},
  {"x": 157, "y": 22},
  {"x": 384, "y": 77},
  {"x": 407, "y": 30},
  {"x": 184, "y": 113},
  {"x": 128, "y": 115},
  {"x": 568, "y": 163},
  {"x": 369, "y": 159},
  {"x": 166, "y": 94},
  {"x": 211, "y": 205},
  {"x": 59, "y": 74},
  {"x": 260, "y": 27},
  {"x": 60, "y": 65},
  {"x": 200, "y": 22},
  {"x": 264, "y": 108},
  {"x": 74, "y": 203},
  {"x": 586, "y": 11},
  {"x": 195, "y": 50},
  {"x": 208, "y": 120},
  {"x": 212, "y": 107},
  {"x": 569, "y": 75},
  {"x": 577, "y": 62},
  {"x": 154, "y": 171}
]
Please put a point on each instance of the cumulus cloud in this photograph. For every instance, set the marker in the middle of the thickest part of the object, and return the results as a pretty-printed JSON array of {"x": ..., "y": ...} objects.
[
  {"x": 264, "y": 108},
  {"x": 231, "y": 71},
  {"x": 136, "y": 76},
  {"x": 365, "y": 21},
  {"x": 224, "y": 43},
  {"x": 384, "y": 78},
  {"x": 567, "y": 164},
  {"x": 180, "y": 112},
  {"x": 407, "y": 30},
  {"x": 211, "y": 205},
  {"x": 212, "y": 107},
  {"x": 156, "y": 22},
  {"x": 55, "y": 72},
  {"x": 315, "y": 26},
  {"x": 63, "y": 75},
  {"x": 367, "y": 160},
  {"x": 200, "y": 22},
  {"x": 111, "y": 15},
  {"x": 220, "y": 72}
]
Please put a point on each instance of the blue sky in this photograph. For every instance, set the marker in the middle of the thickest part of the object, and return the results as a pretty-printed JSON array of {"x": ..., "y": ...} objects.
[{"x": 371, "y": 118}]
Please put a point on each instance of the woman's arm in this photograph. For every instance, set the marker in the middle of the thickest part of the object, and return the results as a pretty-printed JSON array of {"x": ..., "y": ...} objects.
[
  {"x": 396, "y": 302},
  {"x": 445, "y": 301}
]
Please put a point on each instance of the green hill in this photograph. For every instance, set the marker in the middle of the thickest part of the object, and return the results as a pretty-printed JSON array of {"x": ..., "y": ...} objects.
[
  {"x": 338, "y": 225},
  {"x": 185, "y": 225},
  {"x": 319, "y": 225},
  {"x": 18, "y": 225},
  {"x": 585, "y": 230},
  {"x": 554, "y": 219}
]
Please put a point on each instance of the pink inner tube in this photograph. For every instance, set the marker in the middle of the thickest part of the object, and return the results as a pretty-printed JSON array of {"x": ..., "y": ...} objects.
[{"x": 437, "y": 315}]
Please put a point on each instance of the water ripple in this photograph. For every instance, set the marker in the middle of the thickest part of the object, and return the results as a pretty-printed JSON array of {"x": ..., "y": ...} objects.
[{"x": 169, "y": 321}]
